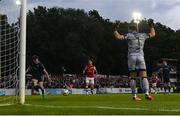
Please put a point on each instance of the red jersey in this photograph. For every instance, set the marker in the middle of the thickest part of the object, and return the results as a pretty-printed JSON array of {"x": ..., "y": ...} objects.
[
  {"x": 90, "y": 71},
  {"x": 154, "y": 79}
]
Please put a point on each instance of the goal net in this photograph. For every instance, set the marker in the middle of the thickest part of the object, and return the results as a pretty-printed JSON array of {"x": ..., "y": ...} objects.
[{"x": 9, "y": 51}]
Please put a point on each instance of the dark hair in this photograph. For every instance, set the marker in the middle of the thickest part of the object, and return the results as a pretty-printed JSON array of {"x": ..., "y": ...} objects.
[
  {"x": 132, "y": 27},
  {"x": 34, "y": 57}
]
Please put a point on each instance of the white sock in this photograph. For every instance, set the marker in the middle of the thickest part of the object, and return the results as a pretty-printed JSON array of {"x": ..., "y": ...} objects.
[
  {"x": 146, "y": 85},
  {"x": 133, "y": 87}
]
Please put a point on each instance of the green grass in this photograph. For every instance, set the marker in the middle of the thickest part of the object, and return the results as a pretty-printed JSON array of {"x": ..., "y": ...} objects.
[{"x": 96, "y": 104}]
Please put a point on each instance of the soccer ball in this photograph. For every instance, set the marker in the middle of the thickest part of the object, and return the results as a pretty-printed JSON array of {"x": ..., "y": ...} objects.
[{"x": 65, "y": 92}]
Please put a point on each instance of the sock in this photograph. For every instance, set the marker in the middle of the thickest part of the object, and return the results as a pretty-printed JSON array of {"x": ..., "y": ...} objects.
[
  {"x": 42, "y": 89},
  {"x": 155, "y": 89},
  {"x": 91, "y": 90},
  {"x": 145, "y": 85},
  {"x": 165, "y": 89},
  {"x": 86, "y": 89},
  {"x": 169, "y": 89},
  {"x": 36, "y": 88},
  {"x": 133, "y": 87}
]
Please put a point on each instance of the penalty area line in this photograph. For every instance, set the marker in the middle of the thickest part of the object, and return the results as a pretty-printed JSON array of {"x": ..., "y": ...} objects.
[{"x": 107, "y": 107}]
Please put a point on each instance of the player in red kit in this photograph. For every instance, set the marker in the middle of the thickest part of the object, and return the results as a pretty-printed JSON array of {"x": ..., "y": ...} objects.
[
  {"x": 154, "y": 80},
  {"x": 90, "y": 73}
]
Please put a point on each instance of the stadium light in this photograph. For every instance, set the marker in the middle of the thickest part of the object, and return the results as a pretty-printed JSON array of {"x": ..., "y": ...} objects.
[
  {"x": 18, "y": 2},
  {"x": 137, "y": 19}
]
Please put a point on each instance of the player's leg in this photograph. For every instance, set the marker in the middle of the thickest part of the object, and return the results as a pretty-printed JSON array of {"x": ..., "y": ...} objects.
[
  {"x": 41, "y": 87},
  {"x": 145, "y": 82},
  {"x": 34, "y": 86},
  {"x": 87, "y": 85},
  {"x": 156, "y": 89},
  {"x": 133, "y": 75},
  {"x": 166, "y": 85},
  {"x": 92, "y": 85},
  {"x": 141, "y": 66},
  {"x": 169, "y": 87},
  {"x": 154, "y": 86}
]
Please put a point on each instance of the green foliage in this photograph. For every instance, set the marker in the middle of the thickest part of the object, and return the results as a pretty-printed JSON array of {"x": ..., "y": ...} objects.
[{"x": 68, "y": 37}]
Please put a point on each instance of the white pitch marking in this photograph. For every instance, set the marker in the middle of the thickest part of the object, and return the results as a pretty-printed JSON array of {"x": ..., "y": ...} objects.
[
  {"x": 106, "y": 107},
  {"x": 142, "y": 109},
  {"x": 1, "y": 105}
]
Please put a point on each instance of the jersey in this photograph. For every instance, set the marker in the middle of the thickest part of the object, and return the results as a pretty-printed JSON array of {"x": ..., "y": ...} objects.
[
  {"x": 90, "y": 71},
  {"x": 166, "y": 72},
  {"x": 37, "y": 70},
  {"x": 136, "y": 42}
]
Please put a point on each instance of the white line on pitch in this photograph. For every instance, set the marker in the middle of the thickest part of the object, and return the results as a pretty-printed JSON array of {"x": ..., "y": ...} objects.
[
  {"x": 5, "y": 105},
  {"x": 106, "y": 107}
]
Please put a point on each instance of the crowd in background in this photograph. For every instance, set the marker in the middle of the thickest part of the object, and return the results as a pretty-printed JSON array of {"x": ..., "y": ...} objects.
[{"x": 76, "y": 81}]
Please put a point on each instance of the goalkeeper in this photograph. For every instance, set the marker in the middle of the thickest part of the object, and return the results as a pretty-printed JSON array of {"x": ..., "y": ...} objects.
[
  {"x": 136, "y": 62},
  {"x": 37, "y": 70}
]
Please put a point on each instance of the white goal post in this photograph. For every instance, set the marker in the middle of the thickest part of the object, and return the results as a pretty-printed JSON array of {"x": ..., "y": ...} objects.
[
  {"x": 22, "y": 71},
  {"x": 12, "y": 51}
]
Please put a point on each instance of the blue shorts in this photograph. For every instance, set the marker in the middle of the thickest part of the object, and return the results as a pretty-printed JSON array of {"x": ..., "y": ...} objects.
[{"x": 39, "y": 78}]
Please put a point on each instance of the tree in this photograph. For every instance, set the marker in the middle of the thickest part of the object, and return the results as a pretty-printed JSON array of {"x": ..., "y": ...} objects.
[{"x": 68, "y": 37}]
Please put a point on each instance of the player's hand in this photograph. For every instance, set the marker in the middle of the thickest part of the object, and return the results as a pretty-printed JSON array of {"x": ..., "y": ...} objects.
[
  {"x": 115, "y": 26},
  {"x": 49, "y": 79},
  {"x": 151, "y": 23}
]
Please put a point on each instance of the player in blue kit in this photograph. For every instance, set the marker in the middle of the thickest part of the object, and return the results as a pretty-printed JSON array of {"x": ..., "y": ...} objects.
[
  {"x": 136, "y": 62},
  {"x": 37, "y": 70},
  {"x": 166, "y": 69}
]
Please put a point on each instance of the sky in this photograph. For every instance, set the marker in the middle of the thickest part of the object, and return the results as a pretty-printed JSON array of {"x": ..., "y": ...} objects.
[{"x": 164, "y": 11}]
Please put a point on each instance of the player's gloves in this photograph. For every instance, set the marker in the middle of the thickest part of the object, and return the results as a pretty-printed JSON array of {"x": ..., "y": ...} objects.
[
  {"x": 115, "y": 26},
  {"x": 151, "y": 23}
]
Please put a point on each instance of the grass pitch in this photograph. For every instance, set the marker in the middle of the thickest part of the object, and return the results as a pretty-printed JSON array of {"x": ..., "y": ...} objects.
[{"x": 102, "y": 104}]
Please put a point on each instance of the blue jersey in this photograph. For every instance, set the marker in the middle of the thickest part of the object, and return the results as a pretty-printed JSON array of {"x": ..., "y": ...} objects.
[
  {"x": 166, "y": 71},
  {"x": 37, "y": 70},
  {"x": 136, "y": 43}
]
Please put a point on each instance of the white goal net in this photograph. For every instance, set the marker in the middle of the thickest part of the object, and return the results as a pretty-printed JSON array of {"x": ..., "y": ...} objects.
[{"x": 9, "y": 51}]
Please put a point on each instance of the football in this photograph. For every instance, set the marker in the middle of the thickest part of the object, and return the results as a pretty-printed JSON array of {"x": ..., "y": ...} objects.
[{"x": 65, "y": 92}]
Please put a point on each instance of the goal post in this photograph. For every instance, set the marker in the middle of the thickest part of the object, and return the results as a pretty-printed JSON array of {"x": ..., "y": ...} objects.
[
  {"x": 12, "y": 51},
  {"x": 22, "y": 71}
]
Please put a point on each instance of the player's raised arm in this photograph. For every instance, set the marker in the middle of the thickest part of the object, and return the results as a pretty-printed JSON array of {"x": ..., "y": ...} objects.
[
  {"x": 152, "y": 32},
  {"x": 117, "y": 34}
]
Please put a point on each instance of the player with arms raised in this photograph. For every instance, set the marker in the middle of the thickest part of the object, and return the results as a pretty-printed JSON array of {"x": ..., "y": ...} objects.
[
  {"x": 136, "y": 62},
  {"x": 37, "y": 70},
  {"x": 90, "y": 73}
]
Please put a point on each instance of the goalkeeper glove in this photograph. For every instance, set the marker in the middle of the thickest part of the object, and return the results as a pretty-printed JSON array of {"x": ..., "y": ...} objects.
[{"x": 151, "y": 23}]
